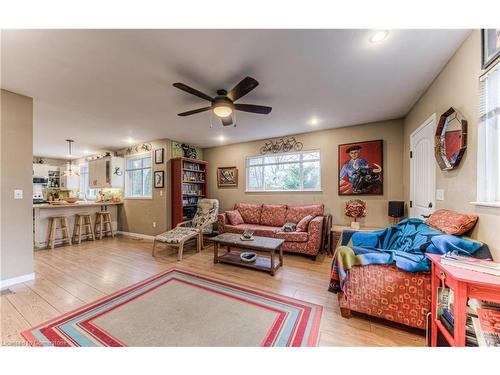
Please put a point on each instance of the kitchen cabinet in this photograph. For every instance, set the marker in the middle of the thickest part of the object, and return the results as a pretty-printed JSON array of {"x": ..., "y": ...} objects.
[
  {"x": 106, "y": 172},
  {"x": 42, "y": 170}
]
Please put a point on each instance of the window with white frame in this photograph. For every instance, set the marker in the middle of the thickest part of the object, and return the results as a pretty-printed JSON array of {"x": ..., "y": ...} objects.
[
  {"x": 291, "y": 171},
  {"x": 488, "y": 147},
  {"x": 138, "y": 179},
  {"x": 85, "y": 191}
]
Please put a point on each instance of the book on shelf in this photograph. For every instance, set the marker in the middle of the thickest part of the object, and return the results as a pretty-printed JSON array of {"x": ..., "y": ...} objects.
[
  {"x": 444, "y": 302},
  {"x": 486, "y": 319},
  {"x": 473, "y": 264},
  {"x": 489, "y": 322}
]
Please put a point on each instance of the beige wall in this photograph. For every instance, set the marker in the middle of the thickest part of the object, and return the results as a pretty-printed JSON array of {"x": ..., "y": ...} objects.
[
  {"x": 16, "y": 138},
  {"x": 458, "y": 86},
  {"x": 138, "y": 215},
  {"x": 327, "y": 141}
]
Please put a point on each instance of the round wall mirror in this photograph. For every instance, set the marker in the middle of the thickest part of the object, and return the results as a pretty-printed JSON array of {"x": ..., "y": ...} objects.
[{"x": 451, "y": 139}]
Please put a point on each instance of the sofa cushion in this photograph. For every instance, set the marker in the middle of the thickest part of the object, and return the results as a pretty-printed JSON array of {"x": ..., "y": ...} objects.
[
  {"x": 451, "y": 222},
  {"x": 273, "y": 215},
  {"x": 292, "y": 236},
  {"x": 303, "y": 224},
  {"x": 295, "y": 213},
  {"x": 258, "y": 230},
  {"x": 234, "y": 217},
  {"x": 250, "y": 212}
]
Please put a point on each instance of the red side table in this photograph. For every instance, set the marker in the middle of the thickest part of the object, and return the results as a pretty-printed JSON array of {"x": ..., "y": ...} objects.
[{"x": 465, "y": 284}]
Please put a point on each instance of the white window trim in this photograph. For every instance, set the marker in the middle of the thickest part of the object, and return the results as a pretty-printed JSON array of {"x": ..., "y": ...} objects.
[
  {"x": 138, "y": 197},
  {"x": 286, "y": 162},
  {"x": 481, "y": 148}
]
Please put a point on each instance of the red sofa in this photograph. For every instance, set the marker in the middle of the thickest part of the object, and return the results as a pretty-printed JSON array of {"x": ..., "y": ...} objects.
[
  {"x": 384, "y": 291},
  {"x": 267, "y": 219}
]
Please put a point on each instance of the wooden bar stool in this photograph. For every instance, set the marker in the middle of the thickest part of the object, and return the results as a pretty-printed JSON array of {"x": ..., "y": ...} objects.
[
  {"x": 103, "y": 224},
  {"x": 53, "y": 228},
  {"x": 83, "y": 220}
]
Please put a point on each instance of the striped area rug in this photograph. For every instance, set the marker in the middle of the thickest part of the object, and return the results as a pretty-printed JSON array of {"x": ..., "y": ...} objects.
[{"x": 178, "y": 308}]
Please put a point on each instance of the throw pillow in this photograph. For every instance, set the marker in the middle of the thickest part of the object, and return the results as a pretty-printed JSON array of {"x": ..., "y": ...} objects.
[
  {"x": 451, "y": 222},
  {"x": 289, "y": 227},
  {"x": 304, "y": 223},
  {"x": 234, "y": 217}
]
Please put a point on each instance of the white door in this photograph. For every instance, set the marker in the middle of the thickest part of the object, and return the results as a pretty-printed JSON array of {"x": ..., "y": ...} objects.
[{"x": 422, "y": 169}]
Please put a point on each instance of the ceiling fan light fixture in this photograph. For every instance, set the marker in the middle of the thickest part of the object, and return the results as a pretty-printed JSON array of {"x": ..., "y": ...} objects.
[
  {"x": 379, "y": 36},
  {"x": 223, "y": 110}
]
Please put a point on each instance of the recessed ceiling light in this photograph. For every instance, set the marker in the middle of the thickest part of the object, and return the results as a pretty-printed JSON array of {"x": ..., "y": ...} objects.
[
  {"x": 221, "y": 138},
  {"x": 379, "y": 36},
  {"x": 130, "y": 140},
  {"x": 314, "y": 121}
]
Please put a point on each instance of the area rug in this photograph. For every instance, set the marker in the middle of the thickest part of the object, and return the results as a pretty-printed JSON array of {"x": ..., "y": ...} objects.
[{"x": 178, "y": 308}]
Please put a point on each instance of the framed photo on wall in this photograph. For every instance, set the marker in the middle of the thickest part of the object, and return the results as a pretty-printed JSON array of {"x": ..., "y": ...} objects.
[
  {"x": 159, "y": 155},
  {"x": 360, "y": 168},
  {"x": 490, "y": 46},
  {"x": 159, "y": 179},
  {"x": 227, "y": 177}
]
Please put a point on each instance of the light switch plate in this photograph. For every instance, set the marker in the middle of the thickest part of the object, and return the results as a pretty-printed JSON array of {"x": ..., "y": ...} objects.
[
  {"x": 18, "y": 194},
  {"x": 440, "y": 194}
]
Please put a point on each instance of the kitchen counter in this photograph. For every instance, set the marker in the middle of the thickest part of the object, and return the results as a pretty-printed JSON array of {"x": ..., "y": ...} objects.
[
  {"x": 42, "y": 213},
  {"x": 76, "y": 205}
]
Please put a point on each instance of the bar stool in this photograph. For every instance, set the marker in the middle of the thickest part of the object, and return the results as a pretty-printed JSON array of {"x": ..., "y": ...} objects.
[
  {"x": 83, "y": 220},
  {"x": 103, "y": 224},
  {"x": 52, "y": 229}
]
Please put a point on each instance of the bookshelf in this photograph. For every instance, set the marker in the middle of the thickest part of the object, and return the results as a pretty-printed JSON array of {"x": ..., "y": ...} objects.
[
  {"x": 189, "y": 183},
  {"x": 465, "y": 284}
]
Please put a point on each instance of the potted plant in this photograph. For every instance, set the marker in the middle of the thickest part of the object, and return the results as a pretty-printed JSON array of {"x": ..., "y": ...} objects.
[{"x": 355, "y": 208}]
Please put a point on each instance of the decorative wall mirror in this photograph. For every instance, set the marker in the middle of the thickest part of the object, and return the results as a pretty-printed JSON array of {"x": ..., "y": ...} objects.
[{"x": 451, "y": 139}]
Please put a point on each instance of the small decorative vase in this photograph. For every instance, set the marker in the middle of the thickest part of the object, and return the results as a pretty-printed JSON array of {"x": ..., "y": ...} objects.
[{"x": 355, "y": 225}]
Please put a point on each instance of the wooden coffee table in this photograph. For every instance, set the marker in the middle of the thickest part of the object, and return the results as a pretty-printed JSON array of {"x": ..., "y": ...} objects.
[{"x": 262, "y": 244}]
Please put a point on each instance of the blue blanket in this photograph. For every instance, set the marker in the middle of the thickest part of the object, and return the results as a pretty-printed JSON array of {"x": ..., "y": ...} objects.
[{"x": 403, "y": 244}]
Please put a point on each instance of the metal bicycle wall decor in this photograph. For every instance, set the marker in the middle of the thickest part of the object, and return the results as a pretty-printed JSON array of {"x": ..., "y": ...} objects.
[
  {"x": 281, "y": 145},
  {"x": 140, "y": 148}
]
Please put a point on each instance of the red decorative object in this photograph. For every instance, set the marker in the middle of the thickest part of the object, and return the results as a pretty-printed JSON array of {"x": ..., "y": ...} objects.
[
  {"x": 303, "y": 224},
  {"x": 360, "y": 168},
  {"x": 451, "y": 222},
  {"x": 355, "y": 208},
  {"x": 465, "y": 284}
]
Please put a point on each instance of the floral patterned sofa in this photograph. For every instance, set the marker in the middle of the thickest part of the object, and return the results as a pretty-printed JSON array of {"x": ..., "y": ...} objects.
[{"x": 267, "y": 219}]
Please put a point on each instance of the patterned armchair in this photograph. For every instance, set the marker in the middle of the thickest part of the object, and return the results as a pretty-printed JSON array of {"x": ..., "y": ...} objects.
[{"x": 202, "y": 222}]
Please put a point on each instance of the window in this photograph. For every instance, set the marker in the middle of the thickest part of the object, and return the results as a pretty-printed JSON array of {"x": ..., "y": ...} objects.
[
  {"x": 488, "y": 149},
  {"x": 85, "y": 191},
  {"x": 291, "y": 171},
  {"x": 138, "y": 181}
]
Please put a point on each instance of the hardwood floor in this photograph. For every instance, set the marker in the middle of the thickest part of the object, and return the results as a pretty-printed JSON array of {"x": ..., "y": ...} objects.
[{"x": 71, "y": 276}]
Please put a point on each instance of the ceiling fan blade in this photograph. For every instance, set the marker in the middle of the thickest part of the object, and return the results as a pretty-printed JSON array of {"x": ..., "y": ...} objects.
[
  {"x": 262, "y": 109},
  {"x": 246, "y": 85},
  {"x": 199, "y": 94},
  {"x": 226, "y": 121},
  {"x": 192, "y": 112}
]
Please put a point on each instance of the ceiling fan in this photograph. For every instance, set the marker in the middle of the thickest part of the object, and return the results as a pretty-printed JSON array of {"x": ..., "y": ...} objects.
[{"x": 224, "y": 104}]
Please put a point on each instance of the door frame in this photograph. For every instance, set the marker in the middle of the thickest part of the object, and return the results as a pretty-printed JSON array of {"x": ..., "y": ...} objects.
[{"x": 431, "y": 120}]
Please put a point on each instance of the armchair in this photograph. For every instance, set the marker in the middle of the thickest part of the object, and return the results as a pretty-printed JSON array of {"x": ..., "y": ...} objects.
[{"x": 201, "y": 223}]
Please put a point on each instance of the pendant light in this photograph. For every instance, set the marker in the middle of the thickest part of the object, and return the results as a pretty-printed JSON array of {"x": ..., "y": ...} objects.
[{"x": 70, "y": 172}]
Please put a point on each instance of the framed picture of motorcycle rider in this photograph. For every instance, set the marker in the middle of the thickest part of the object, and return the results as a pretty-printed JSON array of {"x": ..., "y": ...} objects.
[{"x": 361, "y": 169}]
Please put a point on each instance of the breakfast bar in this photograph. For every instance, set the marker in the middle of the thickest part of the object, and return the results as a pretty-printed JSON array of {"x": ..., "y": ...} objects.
[{"x": 42, "y": 212}]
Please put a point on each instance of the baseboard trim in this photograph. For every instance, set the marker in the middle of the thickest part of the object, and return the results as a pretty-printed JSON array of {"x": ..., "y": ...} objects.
[
  {"x": 16, "y": 280},
  {"x": 136, "y": 235}
]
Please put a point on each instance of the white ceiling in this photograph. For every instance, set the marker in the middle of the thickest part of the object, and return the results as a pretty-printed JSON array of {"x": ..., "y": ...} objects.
[{"x": 103, "y": 88}]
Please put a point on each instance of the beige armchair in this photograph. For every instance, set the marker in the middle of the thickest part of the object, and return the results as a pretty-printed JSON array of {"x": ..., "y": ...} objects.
[{"x": 202, "y": 222}]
